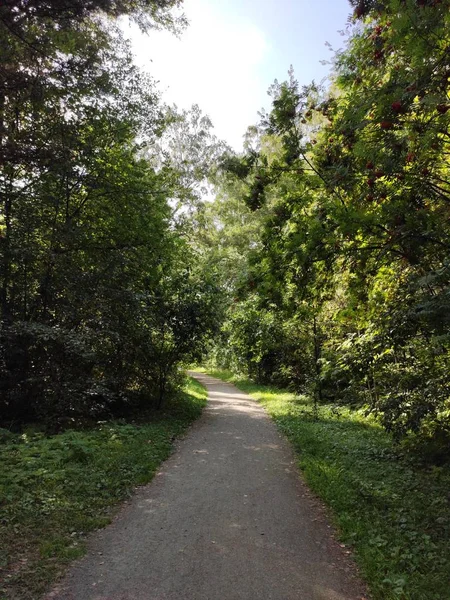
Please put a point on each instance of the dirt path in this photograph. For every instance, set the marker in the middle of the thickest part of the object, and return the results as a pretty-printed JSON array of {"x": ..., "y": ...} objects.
[{"x": 228, "y": 518}]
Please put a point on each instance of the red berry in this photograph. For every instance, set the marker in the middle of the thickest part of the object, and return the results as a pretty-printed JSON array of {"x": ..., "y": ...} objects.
[
  {"x": 442, "y": 108},
  {"x": 370, "y": 165},
  {"x": 371, "y": 182},
  {"x": 397, "y": 106},
  {"x": 378, "y": 173}
]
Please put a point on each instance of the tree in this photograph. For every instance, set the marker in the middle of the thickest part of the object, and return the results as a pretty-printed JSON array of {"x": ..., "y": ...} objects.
[
  {"x": 88, "y": 238},
  {"x": 349, "y": 187}
]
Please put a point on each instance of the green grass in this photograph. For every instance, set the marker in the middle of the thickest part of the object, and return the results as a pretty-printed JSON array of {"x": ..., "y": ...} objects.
[
  {"x": 53, "y": 490},
  {"x": 393, "y": 511}
]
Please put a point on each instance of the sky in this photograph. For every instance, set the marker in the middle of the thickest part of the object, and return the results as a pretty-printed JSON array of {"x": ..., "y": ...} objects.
[{"x": 233, "y": 50}]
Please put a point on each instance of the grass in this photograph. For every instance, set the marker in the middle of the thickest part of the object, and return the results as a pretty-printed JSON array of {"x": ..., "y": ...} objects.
[
  {"x": 54, "y": 490},
  {"x": 393, "y": 511}
]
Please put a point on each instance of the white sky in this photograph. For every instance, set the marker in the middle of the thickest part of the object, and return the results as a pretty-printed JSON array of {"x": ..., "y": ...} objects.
[
  {"x": 221, "y": 62},
  {"x": 213, "y": 64}
]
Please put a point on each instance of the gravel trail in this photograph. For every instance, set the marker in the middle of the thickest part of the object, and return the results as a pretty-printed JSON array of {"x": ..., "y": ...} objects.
[{"x": 227, "y": 518}]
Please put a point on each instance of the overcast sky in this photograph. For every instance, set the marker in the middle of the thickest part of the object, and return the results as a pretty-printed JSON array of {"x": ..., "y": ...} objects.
[{"x": 234, "y": 49}]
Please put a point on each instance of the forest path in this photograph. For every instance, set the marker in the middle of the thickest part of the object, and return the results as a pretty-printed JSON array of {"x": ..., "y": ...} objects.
[{"x": 227, "y": 518}]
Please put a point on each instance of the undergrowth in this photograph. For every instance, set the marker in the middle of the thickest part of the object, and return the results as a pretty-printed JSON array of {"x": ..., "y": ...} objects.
[
  {"x": 391, "y": 509},
  {"x": 54, "y": 490}
]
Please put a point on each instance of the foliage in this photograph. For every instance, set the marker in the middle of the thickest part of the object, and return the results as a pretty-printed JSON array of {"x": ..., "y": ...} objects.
[
  {"x": 392, "y": 511},
  {"x": 18, "y": 15},
  {"x": 56, "y": 489},
  {"x": 89, "y": 252},
  {"x": 349, "y": 262},
  {"x": 180, "y": 316}
]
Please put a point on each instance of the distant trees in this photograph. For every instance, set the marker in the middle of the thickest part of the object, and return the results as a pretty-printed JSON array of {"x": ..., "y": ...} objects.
[{"x": 347, "y": 286}]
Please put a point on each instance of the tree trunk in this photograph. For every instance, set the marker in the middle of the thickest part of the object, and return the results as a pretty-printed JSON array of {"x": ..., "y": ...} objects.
[{"x": 317, "y": 355}]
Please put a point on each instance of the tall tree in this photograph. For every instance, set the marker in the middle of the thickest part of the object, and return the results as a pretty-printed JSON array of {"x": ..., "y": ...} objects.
[
  {"x": 350, "y": 187},
  {"x": 87, "y": 232}
]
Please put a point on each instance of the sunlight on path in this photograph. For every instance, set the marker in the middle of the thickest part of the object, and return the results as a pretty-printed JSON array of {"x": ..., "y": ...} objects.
[{"x": 227, "y": 518}]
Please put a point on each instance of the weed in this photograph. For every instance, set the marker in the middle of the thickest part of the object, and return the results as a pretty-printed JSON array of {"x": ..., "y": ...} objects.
[
  {"x": 54, "y": 490},
  {"x": 393, "y": 511}
]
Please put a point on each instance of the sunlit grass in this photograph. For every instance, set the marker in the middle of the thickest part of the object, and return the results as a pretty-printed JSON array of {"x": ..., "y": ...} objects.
[
  {"x": 53, "y": 490},
  {"x": 393, "y": 512}
]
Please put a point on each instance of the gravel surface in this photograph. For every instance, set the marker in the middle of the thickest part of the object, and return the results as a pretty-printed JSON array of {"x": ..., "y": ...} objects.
[{"x": 227, "y": 518}]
